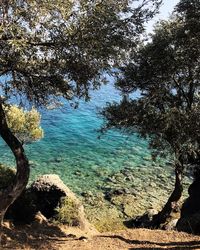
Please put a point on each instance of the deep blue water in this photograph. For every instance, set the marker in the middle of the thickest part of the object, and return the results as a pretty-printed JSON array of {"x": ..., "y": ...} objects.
[{"x": 71, "y": 148}]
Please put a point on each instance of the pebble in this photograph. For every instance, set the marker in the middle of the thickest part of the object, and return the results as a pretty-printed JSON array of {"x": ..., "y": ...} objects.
[
  {"x": 78, "y": 173},
  {"x": 87, "y": 194}
]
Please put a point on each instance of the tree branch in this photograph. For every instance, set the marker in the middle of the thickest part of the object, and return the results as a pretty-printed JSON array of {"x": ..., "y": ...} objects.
[
  {"x": 10, "y": 193},
  {"x": 181, "y": 89}
]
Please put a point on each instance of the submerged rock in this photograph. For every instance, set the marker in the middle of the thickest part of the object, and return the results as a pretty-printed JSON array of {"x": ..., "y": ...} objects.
[
  {"x": 78, "y": 173},
  {"x": 87, "y": 194},
  {"x": 111, "y": 193}
]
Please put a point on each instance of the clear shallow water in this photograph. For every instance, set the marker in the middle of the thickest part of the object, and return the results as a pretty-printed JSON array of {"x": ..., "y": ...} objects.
[{"x": 71, "y": 148}]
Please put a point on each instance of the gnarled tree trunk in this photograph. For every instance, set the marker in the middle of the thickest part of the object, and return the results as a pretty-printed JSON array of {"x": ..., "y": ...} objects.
[
  {"x": 162, "y": 216},
  {"x": 10, "y": 193}
]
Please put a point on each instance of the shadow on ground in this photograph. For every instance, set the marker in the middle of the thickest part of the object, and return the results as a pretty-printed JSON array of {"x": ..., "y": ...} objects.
[
  {"x": 31, "y": 237},
  {"x": 156, "y": 245}
]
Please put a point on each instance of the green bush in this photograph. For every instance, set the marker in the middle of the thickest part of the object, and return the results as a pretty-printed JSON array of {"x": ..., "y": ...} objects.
[
  {"x": 67, "y": 212},
  {"x": 7, "y": 175}
]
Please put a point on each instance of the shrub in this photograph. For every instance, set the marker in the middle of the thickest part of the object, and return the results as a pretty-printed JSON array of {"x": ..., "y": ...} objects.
[
  {"x": 7, "y": 174},
  {"x": 68, "y": 212}
]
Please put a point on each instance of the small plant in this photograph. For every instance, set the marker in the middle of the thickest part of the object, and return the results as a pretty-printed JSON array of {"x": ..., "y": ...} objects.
[
  {"x": 67, "y": 212},
  {"x": 7, "y": 174}
]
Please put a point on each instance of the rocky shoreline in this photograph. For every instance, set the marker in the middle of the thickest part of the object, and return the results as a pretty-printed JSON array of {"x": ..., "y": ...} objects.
[
  {"x": 123, "y": 194},
  {"x": 128, "y": 193}
]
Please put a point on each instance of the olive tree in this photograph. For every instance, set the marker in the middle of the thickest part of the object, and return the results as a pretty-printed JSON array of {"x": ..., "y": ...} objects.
[
  {"x": 60, "y": 48},
  {"x": 166, "y": 71}
]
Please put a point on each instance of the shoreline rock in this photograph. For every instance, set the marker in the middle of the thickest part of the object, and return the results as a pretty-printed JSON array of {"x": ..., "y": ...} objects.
[{"x": 43, "y": 197}]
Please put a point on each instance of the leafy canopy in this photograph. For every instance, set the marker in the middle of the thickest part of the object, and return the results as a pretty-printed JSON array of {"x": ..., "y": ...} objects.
[
  {"x": 166, "y": 71},
  {"x": 60, "y": 48}
]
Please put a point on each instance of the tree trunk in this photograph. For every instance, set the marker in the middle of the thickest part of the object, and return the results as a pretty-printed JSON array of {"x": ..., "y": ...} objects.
[
  {"x": 10, "y": 193},
  {"x": 162, "y": 216}
]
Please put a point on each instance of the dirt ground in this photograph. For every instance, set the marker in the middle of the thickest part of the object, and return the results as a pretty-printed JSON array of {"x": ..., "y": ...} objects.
[{"x": 51, "y": 237}]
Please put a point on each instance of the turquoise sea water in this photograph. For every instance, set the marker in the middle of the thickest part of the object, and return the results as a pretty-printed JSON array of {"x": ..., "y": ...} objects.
[{"x": 71, "y": 148}]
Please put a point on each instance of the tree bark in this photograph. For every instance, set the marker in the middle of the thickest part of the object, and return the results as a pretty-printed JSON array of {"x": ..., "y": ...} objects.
[
  {"x": 162, "y": 216},
  {"x": 10, "y": 193}
]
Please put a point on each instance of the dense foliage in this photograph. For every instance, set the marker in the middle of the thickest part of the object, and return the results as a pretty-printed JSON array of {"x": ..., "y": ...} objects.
[
  {"x": 59, "y": 48},
  {"x": 166, "y": 71},
  {"x": 24, "y": 124}
]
